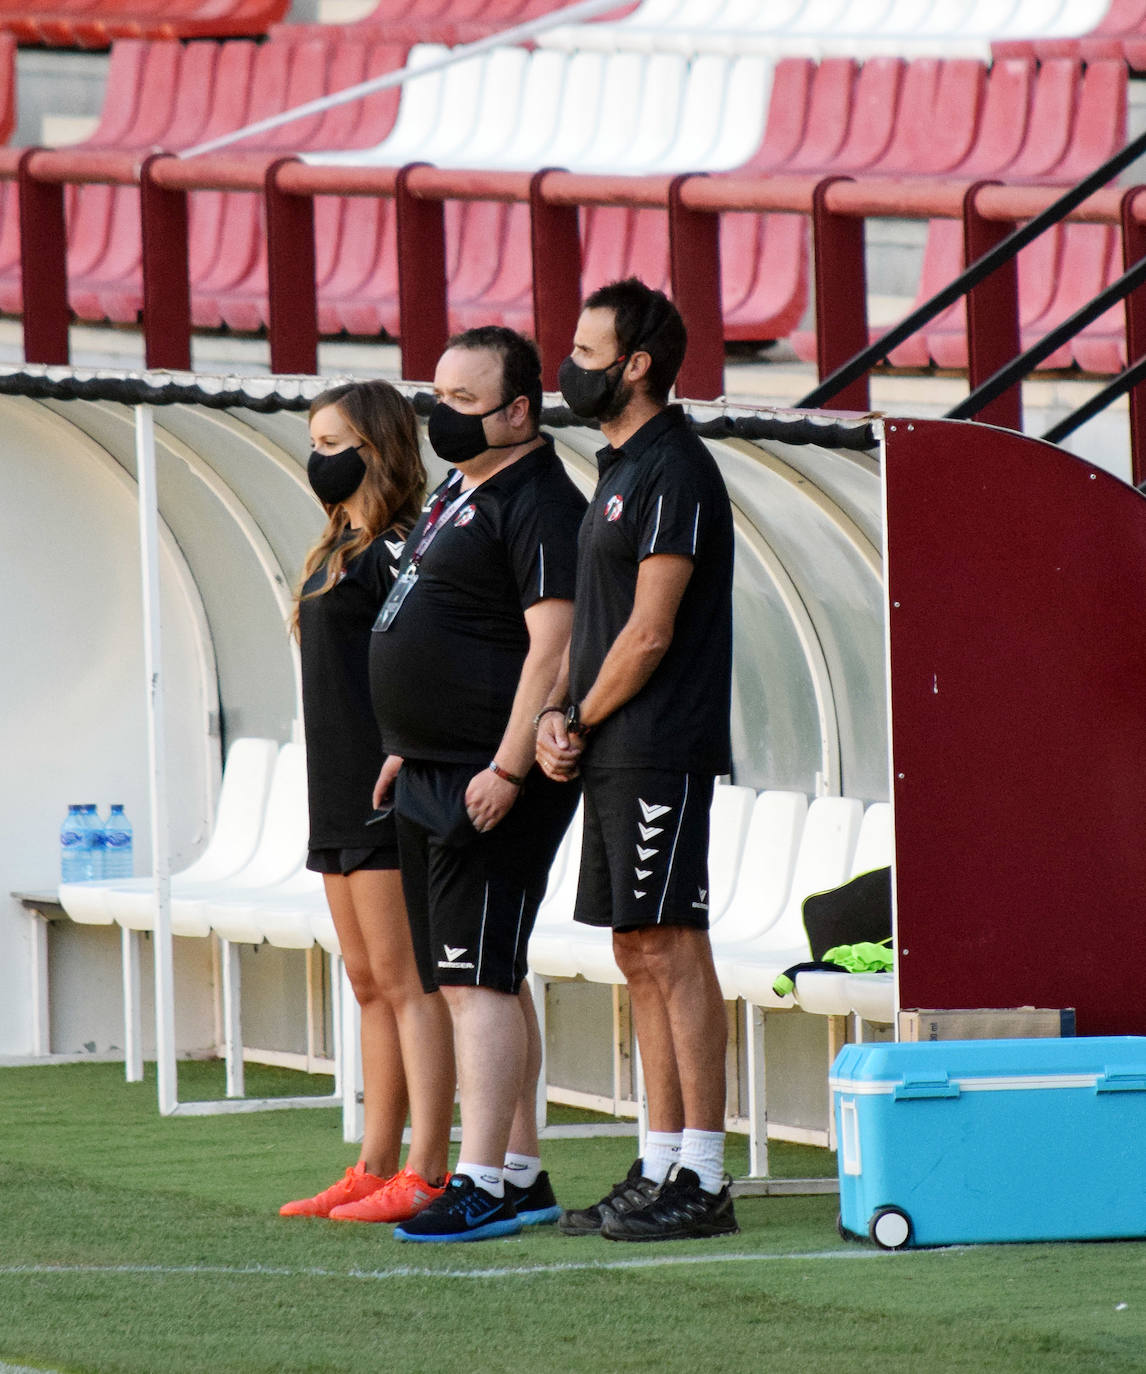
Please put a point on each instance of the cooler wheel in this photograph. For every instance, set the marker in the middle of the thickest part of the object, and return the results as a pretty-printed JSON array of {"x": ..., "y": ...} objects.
[{"x": 890, "y": 1229}]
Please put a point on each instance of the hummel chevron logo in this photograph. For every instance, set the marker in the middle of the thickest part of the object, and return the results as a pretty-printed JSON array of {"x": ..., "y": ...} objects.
[
  {"x": 637, "y": 894},
  {"x": 395, "y": 547},
  {"x": 642, "y": 873},
  {"x": 644, "y": 854},
  {"x": 452, "y": 954},
  {"x": 703, "y": 893},
  {"x": 652, "y": 811},
  {"x": 648, "y": 831}
]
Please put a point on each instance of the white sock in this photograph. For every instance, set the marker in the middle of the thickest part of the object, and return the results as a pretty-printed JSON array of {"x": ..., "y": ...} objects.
[
  {"x": 703, "y": 1153},
  {"x": 521, "y": 1170},
  {"x": 662, "y": 1151},
  {"x": 487, "y": 1177}
]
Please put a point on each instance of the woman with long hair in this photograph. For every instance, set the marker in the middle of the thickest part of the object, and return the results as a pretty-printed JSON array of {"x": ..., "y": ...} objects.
[{"x": 367, "y": 471}]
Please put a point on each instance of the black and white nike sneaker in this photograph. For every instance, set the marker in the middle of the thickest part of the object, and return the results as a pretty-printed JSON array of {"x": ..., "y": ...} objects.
[{"x": 463, "y": 1212}]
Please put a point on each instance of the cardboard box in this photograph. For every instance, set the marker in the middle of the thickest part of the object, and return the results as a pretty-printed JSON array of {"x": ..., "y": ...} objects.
[{"x": 1013, "y": 1023}]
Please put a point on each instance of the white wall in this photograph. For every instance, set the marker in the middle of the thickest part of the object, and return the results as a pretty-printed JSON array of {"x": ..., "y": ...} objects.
[{"x": 72, "y": 690}]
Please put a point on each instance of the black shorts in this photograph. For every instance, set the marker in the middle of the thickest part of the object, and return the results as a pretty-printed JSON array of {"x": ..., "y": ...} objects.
[
  {"x": 346, "y": 861},
  {"x": 473, "y": 898},
  {"x": 644, "y": 860}
]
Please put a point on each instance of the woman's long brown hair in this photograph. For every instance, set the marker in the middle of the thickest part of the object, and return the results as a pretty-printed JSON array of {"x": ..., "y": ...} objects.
[{"x": 392, "y": 490}]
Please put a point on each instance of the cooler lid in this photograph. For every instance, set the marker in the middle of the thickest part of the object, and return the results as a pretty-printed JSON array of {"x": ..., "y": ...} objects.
[{"x": 941, "y": 1068}]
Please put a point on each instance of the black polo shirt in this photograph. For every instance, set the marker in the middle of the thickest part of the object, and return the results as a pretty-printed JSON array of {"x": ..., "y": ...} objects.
[
  {"x": 660, "y": 493},
  {"x": 443, "y": 676},
  {"x": 343, "y": 748}
]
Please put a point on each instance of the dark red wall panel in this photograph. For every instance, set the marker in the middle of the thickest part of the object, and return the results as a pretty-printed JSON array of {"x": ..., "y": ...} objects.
[{"x": 1017, "y": 590}]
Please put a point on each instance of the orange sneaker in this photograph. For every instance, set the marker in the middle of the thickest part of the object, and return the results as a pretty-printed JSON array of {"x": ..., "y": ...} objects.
[
  {"x": 398, "y": 1199},
  {"x": 356, "y": 1185}
]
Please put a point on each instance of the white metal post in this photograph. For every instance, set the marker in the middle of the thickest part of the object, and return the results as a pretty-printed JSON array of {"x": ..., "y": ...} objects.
[
  {"x": 232, "y": 1018},
  {"x": 757, "y": 1092},
  {"x": 353, "y": 1121},
  {"x": 157, "y": 752},
  {"x": 132, "y": 1012},
  {"x": 538, "y": 987}
]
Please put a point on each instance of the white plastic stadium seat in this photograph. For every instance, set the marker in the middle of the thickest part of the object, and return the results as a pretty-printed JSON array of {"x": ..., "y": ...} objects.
[
  {"x": 238, "y": 820},
  {"x": 872, "y": 997},
  {"x": 281, "y": 853},
  {"x": 747, "y": 968},
  {"x": 827, "y": 993},
  {"x": 549, "y": 943},
  {"x": 281, "y": 850},
  {"x": 764, "y": 877},
  {"x": 246, "y": 918}
]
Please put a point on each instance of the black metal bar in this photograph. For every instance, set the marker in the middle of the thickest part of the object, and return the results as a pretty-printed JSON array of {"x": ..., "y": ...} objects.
[
  {"x": 1030, "y": 358},
  {"x": 972, "y": 275},
  {"x": 1124, "y": 382}
]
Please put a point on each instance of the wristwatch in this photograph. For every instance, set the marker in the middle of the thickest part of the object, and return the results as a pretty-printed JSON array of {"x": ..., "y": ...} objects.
[{"x": 573, "y": 723}]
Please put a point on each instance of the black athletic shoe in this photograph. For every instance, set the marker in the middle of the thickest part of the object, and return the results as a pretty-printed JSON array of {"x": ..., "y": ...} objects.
[
  {"x": 535, "y": 1205},
  {"x": 682, "y": 1211},
  {"x": 630, "y": 1195},
  {"x": 463, "y": 1212}
]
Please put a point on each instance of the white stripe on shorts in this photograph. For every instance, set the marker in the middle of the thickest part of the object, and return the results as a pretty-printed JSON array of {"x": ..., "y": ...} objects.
[
  {"x": 481, "y": 935},
  {"x": 672, "y": 851}
]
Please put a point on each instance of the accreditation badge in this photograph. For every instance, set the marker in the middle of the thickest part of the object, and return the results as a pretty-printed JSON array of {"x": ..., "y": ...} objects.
[{"x": 397, "y": 594}]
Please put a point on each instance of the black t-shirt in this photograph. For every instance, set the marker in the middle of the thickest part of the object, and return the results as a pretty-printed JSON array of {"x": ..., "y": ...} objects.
[
  {"x": 343, "y": 748},
  {"x": 660, "y": 493},
  {"x": 444, "y": 674}
]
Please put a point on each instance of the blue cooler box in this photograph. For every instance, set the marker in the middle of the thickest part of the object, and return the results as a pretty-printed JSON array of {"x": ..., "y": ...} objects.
[{"x": 957, "y": 1141}]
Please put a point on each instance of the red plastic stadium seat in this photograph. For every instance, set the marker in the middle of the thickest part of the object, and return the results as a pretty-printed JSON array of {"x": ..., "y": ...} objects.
[
  {"x": 346, "y": 230},
  {"x": 166, "y": 95},
  {"x": 97, "y": 23},
  {"x": 128, "y": 121},
  {"x": 1066, "y": 266},
  {"x": 1054, "y": 124}
]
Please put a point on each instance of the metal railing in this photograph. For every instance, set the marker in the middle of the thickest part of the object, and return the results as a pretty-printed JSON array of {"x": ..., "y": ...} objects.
[{"x": 836, "y": 206}]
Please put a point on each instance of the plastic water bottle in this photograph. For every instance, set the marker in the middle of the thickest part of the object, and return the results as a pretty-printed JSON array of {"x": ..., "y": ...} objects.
[
  {"x": 75, "y": 847},
  {"x": 95, "y": 825},
  {"x": 118, "y": 859}
]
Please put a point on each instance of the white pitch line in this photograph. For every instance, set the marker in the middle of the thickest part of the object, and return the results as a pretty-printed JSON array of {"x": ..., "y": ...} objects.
[{"x": 407, "y": 1271}]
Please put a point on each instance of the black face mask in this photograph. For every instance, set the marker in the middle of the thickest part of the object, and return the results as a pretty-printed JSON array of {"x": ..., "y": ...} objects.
[
  {"x": 335, "y": 477},
  {"x": 458, "y": 438},
  {"x": 590, "y": 394}
]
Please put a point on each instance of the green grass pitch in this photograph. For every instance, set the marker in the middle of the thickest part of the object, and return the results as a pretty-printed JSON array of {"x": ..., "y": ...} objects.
[{"x": 133, "y": 1243}]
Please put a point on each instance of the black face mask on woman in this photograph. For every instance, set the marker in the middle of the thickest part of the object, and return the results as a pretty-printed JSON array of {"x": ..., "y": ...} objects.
[
  {"x": 590, "y": 394},
  {"x": 335, "y": 477},
  {"x": 458, "y": 438}
]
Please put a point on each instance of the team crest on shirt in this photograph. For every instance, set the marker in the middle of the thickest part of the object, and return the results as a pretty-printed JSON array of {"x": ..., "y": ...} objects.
[
  {"x": 613, "y": 508},
  {"x": 465, "y": 515}
]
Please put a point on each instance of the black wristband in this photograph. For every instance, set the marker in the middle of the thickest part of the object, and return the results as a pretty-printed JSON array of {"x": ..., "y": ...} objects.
[{"x": 545, "y": 710}]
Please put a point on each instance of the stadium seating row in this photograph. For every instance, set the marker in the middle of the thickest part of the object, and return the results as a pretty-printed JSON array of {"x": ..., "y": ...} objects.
[
  {"x": 1120, "y": 34},
  {"x": 768, "y": 853},
  {"x": 887, "y": 117},
  {"x": 821, "y": 28},
  {"x": 96, "y": 23},
  {"x": 429, "y": 21},
  {"x": 1087, "y": 29}
]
